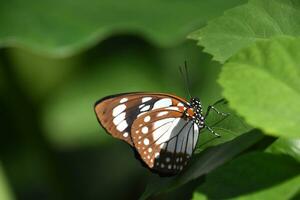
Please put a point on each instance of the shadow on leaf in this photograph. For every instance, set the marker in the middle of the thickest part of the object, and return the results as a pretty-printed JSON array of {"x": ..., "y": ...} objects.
[{"x": 247, "y": 174}]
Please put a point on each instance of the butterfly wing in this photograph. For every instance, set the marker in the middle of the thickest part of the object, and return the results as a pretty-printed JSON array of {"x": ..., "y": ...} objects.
[
  {"x": 165, "y": 138},
  {"x": 117, "y": 113}
]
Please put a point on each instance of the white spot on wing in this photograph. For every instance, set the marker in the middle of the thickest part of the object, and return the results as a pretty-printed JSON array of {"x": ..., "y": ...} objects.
[
  {"x": 145, "y": 130},
  {"x": 147, "y": 119},
  {"x": 162, "y": 113},
  {"x": 173, "y": 108},
  {"x": 145, "y": 99},
  {"x": 122, "y": 126},
  {"x": 145, "y": 108},
  {"x": 117, "y": 110},
  {"x": 146, "y": 141},
  {"x": 123, "y": 100},
  {"x": 180, "y": 104},
  {"x": 119, "y": 118},
  {"x": 125, "y": 134},
  {"x": 162, "y": 103}
]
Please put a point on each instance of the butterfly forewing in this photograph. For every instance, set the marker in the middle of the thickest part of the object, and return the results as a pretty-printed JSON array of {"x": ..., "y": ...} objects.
[{"x": 116, "y": 113}]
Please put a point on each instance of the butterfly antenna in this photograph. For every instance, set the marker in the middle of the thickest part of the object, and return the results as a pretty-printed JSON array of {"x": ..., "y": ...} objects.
[
  {"x": 188, "y": 83},
  {"x": 185, "y": 78}
]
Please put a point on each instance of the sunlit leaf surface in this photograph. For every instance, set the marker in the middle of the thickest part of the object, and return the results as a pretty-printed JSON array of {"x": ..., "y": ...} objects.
[
  {"x": 262, "y": 83},
  {"x": 242, "y": 26}
]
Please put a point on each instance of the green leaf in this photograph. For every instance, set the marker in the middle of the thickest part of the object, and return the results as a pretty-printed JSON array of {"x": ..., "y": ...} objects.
[
  {"x": 262, "y": 83},
  {"x": 203, "y": 163},
  {"x": 253, "y": 176},
  {"x": 239, "y": 27},
  {"x": 228, "y": 127},
  {"x": 5, "y": 192},
  {"x": 287, "y": 146},
  {"x": 62, "y": 27},
  {"x": 203, "y": 72}
]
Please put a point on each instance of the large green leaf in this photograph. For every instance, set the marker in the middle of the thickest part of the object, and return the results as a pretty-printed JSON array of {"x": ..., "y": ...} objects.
[
  {"x": 253, "y": 176},
  {"x": 286, "y": 146},
  {"x": 242, "y": 26},
  {"x": 63, "y": 27},
  {"x": 203, "y": 163},
  {"x": 228, "y": 127},
  {"x": 203, "y": 73},
  {"x": 262, "y": 83}
]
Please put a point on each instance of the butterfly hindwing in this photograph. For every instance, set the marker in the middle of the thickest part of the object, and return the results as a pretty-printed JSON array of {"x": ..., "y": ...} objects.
[{"x": 164, "y": 139}]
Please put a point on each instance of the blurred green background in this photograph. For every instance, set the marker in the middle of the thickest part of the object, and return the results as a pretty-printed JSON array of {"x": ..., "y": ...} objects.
[
  {"x": 59, "y": 57},
  {"x": 52, "y": 143}
]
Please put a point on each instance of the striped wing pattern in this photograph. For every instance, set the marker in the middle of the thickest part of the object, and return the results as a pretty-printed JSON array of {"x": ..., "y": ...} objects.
[
  {"x": 164, "y": 140},
  {"x": 156, "y": 125}
]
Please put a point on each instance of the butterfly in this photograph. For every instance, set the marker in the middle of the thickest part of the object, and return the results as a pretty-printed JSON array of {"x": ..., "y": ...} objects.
[{"x": 163, "y": 129}]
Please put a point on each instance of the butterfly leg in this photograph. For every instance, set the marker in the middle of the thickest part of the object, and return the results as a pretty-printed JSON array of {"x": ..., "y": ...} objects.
[
  {"x": 212, "y": 131},
  {"x": 212, "y": 107},
  {"x": 216, "y": 110}
]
